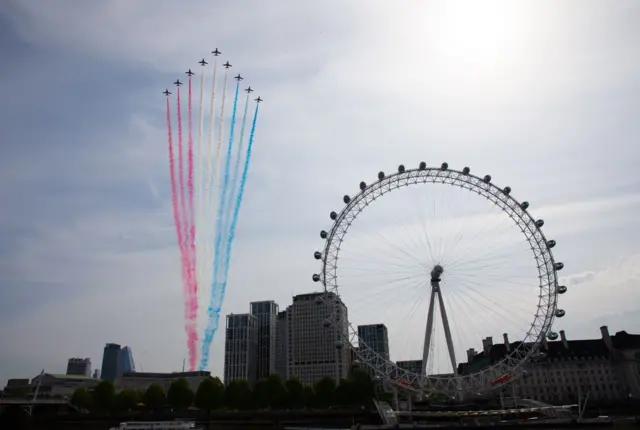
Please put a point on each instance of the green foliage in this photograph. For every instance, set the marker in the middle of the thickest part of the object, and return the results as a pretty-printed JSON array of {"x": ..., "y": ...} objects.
[
  {"x": 238, "y": 395},
  {"x": 81, "y": 398},
  {"x": 154, "y": 397},
  {"x": 103, "y": 396},
  {"x": 210, "y": 394},
  {"x": 17, "y": 393},
  {"x": 324, "y": 392},
  {"x": 126, "y": 400},
  {"x": 261, "y": 395},
  {"x": 180, "y": 396},
  {"x": 296, "y": 396},
  {"x": 343, "y": 395},
  {"x": 363, "y": 388},
  {"x": 309, "y": 397}
]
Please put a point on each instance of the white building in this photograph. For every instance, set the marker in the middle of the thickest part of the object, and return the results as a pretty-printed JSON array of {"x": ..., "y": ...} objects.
[
  {"x": 241, "y": 341},
  {"x": 142, "y": 380},
  {"x": 608, "y": 369},
  {"x": 282, "y": 345},
  {"x": 266, "y": 312},
  {"x": 315, "y": 351}
]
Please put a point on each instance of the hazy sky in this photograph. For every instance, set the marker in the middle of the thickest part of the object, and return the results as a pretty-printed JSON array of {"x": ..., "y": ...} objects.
[{"x": 544, "y": 96}]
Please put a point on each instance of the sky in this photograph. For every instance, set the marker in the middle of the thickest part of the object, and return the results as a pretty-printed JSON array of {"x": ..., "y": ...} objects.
[{"x": 541, "y": 95}]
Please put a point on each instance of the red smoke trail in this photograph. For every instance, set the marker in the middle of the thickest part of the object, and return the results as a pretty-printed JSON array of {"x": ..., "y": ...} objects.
[
  {"x": 190, "y": 331},
  {"x": 185, "y": 227},
  {"x": 193, "y": 282}
]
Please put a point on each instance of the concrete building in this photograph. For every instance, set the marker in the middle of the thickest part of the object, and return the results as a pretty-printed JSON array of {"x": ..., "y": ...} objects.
[
  {"x": 282, "y": 345},
  {"x": 315, "y": 351},
  {"x": 79, "y": 366},
  {"x": 61, "y": 386},
  {"x": 376, "y": 337},
  {"x": 241, "y": 341},
  {"x": 266, "y": 313},
  {"x": 142, "y": 380},
  {"x": 608, "y": 368},
  {"x": 110, "y": 362}
]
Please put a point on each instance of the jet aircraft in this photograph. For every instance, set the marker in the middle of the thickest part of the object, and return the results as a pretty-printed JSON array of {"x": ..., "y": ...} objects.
[
  {"x": 202, "y": 62},
  {"x": 177, "y": 83},
  {"x": 216, "y": 52},
  {"x": 166, "y": 92},
  {"x": 227, "y": 64},
  {"x": 249, "y": 90},
  {"x": 239, "y": 78},
  {"x": 189, "y": 72},
  {"x": 258, "y": 99}
]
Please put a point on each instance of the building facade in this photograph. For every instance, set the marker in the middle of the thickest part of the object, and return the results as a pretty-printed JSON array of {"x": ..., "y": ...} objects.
[
  {"x": 110, "y": 362},
  {"x": 566, "y": 371},
  {"x": 266, "y": 313},
  {"x": 282, "y": 345},
  {"x": 241, "y": 341},
  {"x": 315, "y": 349},
  {"x": 125, "y": 361},
  {"x": 142, "y": 380},
  {"x": 79, "y": 366},
  {"x": 61, "y": 386},
  {"x": 376, "y": 338}
]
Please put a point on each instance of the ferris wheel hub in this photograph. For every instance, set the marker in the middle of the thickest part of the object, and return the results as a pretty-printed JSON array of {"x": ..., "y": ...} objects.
[{"x": 436, "y": 273}]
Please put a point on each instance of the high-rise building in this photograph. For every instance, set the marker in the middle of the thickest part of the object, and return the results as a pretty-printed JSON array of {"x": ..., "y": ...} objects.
[
  {"x": 266, "y": 313},
  {"x": 110, "y": 362},
  {"x": 125, "y": 361},
  {"x": 96, "y": 374},
  {"x": 282, "y": 344},
  {"x": 241, "y": 340},
  {"x": 317, "y": 350},
  {"x": 79, "y": 366},
  {"x": 376, "y": 337}
]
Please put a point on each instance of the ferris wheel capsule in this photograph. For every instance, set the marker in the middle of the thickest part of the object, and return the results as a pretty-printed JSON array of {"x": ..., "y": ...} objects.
[
  {"x": 363, "y": 185},
  {"x": 562, "y": 289}
]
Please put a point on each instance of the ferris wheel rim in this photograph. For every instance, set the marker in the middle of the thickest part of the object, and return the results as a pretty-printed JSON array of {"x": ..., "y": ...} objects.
[{"x": 500, "y": 197}]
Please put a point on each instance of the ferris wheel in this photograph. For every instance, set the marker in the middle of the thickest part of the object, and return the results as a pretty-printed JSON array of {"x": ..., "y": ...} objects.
[{"x": 415, "y": 265}]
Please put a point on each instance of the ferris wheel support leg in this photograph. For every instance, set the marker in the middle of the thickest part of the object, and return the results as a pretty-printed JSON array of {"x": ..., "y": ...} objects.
[
  {"x": 427, "y": 334},
  {"x": 447, "y": 334}
]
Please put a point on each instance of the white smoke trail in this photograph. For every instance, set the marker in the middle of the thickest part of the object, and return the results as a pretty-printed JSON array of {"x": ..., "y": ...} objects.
[{"x": 201, "y": 261}]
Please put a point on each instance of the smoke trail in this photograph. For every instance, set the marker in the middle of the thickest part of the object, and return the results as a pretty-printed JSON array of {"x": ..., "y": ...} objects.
[
  {"x": 234, "y": 220},
  {"x": 236, "y": 167},
  {"x": 219, "y": 232},
  {"x": 200, "y": 234},
  {"x": 193, "y": 285},
  {"x": 178, "y": 223}
]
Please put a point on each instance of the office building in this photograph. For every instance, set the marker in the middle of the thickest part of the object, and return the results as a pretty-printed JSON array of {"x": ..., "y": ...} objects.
[
  {"x": 110, "y": 362},
  {"x": 125, "y": 361},
  {"x": 376, "y": 338},
  {"x": 317, "y": 350},
  {"x": 241, "y": 341},
  {"x": 281, "y": 345},
  {"x": 79, "y": 366},
  {"x": 266, "y": 313},
  {"x": 563, "y": 371}
]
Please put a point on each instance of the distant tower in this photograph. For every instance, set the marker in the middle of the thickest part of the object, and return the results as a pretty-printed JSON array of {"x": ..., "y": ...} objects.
[
  {"x": 282, "y": 344},
  {"x": 241, "y": 340},
  {"x": 376, "y": 337},
  {"x": 79, "y": 366},
  {"x": 266, "y": 312},
  {"x": 110, "y": 362},
  {"x": 125, "y": 361},
  {"x": 96, "y": 374}
]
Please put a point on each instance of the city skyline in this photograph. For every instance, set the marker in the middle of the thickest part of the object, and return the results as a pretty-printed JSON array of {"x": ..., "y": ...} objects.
[{"x": 541, "y": 97}]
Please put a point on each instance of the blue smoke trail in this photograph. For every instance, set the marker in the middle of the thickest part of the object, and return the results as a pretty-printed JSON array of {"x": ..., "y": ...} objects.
[
  {"x": 232, "y": 233},
  {"x": 236, "y": 167},
  {"x": 214, "y": 309}
]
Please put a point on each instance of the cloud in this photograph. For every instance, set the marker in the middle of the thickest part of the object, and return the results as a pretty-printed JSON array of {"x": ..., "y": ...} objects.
[{"x": 540, "y": 98}]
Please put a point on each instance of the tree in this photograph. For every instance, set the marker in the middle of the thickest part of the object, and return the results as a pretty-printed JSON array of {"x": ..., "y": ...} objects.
[
  {"x": 238, "y": 395},
  {"x": 295, "y": 394},
  {"x": 126, "y": 399},
  {"x": 210, "y": 394},
  {"x": 154, "y": 397},
  {"x": 81, "y": 398},
  {"x": 324, "y": 392},
  {"x": 309, "y": 397},
  {"x": 277, "y": 392},
  {"x": 343, "y": 395},
  {"x": 180, "y": 395},
  {"x": 103, "y": 396},
  {"x": 363, "y": 389},
  {"x": 261, "y": 394}
]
